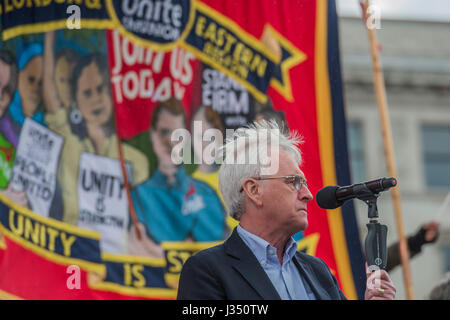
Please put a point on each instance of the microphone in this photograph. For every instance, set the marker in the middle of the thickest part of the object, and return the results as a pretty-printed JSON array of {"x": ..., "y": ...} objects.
[{"x": 332, "y": 197}]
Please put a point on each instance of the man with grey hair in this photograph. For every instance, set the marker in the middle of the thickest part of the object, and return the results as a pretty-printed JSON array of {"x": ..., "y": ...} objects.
[{"x": 269, "y": 199}]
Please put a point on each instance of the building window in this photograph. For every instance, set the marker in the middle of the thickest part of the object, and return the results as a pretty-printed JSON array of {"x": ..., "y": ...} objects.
[
  {"x": 446, "y": 250},
  {"x": 436, "y": 153},
  {"x": 356, "y": 151}
]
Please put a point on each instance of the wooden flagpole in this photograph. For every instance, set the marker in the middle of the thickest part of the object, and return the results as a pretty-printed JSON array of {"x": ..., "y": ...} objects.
[
  {"x": 388, "y": 150},
  {"x": 133, "y": 214}
]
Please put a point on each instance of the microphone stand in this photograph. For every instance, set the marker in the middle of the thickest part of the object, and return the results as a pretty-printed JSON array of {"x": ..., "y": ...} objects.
[{"x": 375, "y": 244}]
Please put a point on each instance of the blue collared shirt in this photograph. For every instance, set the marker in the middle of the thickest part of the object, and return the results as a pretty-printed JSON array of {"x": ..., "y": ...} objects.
[{"x": 285, "y": 278}]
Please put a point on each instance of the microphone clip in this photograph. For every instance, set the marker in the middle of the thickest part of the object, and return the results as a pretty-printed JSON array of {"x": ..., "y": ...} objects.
[
  {"x": 375, "y": 244},
  {"x": 369, "y": 197}
]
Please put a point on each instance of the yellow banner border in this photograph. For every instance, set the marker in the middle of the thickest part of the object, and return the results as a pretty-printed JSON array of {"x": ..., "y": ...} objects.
[
  {"x": 2, "y": 241},
  {"x": 94, "y": 235},
  {"x": 53, "y": 257},
  {"x": 8, "y": 296},
  {"x": 326, "y": 149},
  {"x": 297, "y": 57},
  {"x": 54, "y": 25},
  {"x": 148, "y": 261},
  {"x": 189, "y": 246},
  {"x": 153, "y": 293}
]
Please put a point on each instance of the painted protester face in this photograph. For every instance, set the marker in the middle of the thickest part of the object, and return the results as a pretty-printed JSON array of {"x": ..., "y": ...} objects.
[
  {"x": 93, "y": 97},
  {"x": 199, "y": 143},
  {"x": 5, "y": 97},
  {"x": 63, "y": 72},
  {"x": 30, "y": 85},
  {"x": 162, "y": 133}
]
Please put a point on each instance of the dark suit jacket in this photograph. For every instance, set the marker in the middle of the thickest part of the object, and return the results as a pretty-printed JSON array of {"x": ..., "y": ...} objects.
[{"x": 230, "y": 271}]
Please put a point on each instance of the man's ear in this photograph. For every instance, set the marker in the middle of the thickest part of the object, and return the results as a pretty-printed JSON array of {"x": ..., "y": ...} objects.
[{"x": 253, "y": 191}]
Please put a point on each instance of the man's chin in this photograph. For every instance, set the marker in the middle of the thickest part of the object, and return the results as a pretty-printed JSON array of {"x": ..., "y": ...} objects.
[
  {"x": 304, "y": 226},
  {"x": 301, "y": 225}
]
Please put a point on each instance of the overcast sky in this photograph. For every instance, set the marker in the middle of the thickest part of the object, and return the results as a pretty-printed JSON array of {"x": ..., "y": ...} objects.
[{"x": 435, "y": 10}]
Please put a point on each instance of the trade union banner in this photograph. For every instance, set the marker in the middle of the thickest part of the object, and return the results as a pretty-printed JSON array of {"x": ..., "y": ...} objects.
[{"x": 92, "y": 205}]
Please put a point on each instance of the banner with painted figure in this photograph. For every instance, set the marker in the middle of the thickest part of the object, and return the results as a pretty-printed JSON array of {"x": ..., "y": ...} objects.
[
  {"x": 102, "y": 200},
  {"x": 35, "y": 166},
  {"x": 113, "y": 80}
]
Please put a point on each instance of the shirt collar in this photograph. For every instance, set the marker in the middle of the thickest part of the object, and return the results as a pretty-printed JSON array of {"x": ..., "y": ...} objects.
[
  {"x": 181, "y": 179},
  {"x": 262, "y": 249}
]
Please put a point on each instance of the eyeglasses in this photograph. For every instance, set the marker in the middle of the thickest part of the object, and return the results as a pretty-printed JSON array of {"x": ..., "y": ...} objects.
[
  {"x": 164, "y": 132},
  {"x": 296, "y": 180}
]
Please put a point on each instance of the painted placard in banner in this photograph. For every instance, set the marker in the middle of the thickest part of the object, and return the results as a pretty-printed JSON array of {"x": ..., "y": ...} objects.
[
  {"x": 35, "y": 166},
  {"x": 103, "y": 202}
]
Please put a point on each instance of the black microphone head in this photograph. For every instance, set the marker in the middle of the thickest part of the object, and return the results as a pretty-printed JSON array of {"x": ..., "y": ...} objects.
[
  {"x": 389, "y": 182},
  {"x": 326, "y": 198}
]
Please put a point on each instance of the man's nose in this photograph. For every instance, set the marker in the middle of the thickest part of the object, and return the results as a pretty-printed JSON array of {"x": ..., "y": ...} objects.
[
  {"x": 167, "y": 140},
  {"x": 304, "y": 194}
]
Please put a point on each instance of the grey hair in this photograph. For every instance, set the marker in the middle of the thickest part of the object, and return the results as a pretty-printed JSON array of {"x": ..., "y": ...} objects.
[
  {"x": 251, "y": 140},
  {"x": 442, "y": 290}
]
